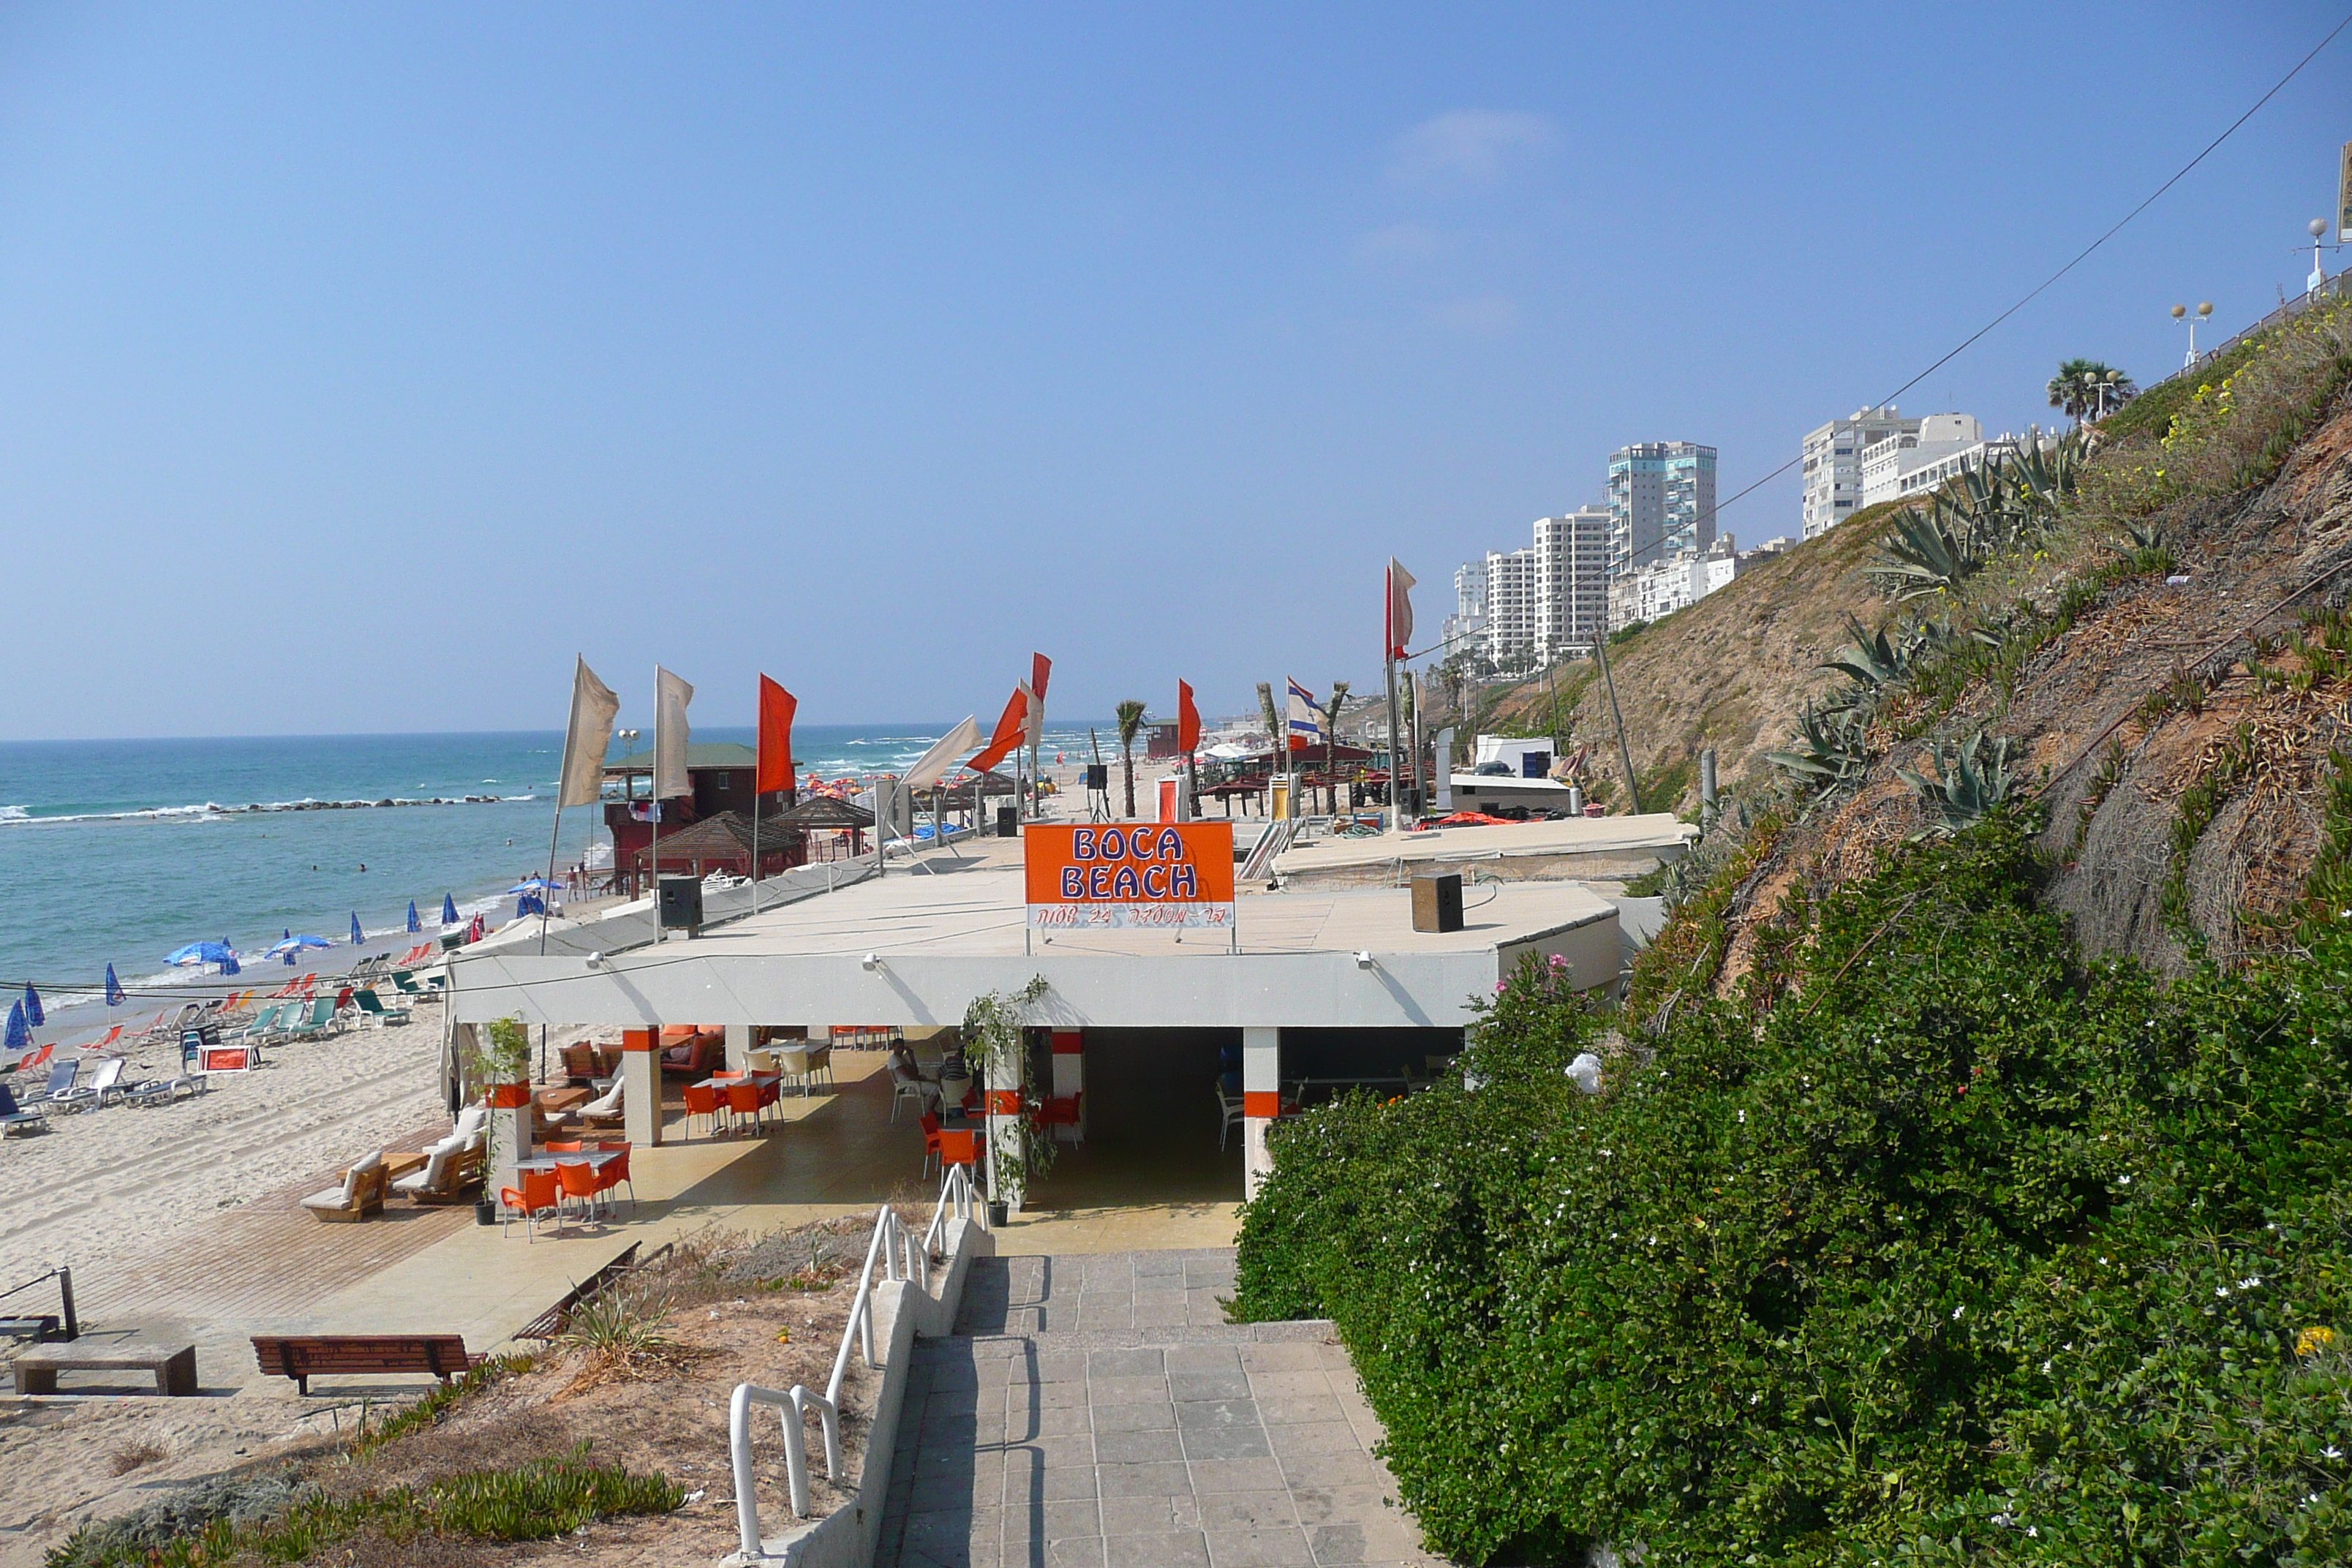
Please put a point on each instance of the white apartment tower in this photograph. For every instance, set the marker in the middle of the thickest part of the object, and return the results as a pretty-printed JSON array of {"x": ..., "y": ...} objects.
[
  {"x": 1466, "y": 626},
  {"x": 1513, "y": 591},
  {"x": 1833, "y": 463},
  {"x": 1572, "y": 553}
]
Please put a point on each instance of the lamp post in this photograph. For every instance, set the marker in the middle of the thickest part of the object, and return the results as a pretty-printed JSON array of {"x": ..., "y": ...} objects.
[
  {"x": 628, "y": 792},
  {"x": 2204, "y": 313},
  {"x": 2318, "y": 274},
  {"x": 2109, "y": 383}
]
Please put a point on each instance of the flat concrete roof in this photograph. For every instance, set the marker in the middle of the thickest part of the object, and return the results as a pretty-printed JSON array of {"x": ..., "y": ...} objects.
[
  {"x": 1653, "y": 833},
  {"x": 939, "y": 940}
]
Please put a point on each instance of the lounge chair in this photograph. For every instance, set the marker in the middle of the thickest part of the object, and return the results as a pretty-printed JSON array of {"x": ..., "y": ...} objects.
[
  {"x": 62, "y": 1077},
  {"x": 446, "y": 1174},
  {"x": 12, "y": 1119},
  {"x": 192, "y": 1082},
  {"x": 318, "y": 1021},
  {"x": 104, "y": 1085},
  {"x": 605, "y": 1110},
  {"x": 372, "y": 1005},
  {"x": 111, "y": 1037},
  {"x": 361, "y": 1194}
]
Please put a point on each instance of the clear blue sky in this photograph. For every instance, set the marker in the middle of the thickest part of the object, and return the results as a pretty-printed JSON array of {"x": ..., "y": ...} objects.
[{"x": 360, "y": 363}]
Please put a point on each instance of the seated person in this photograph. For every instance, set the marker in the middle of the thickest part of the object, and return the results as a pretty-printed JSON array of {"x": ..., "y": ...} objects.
[{"x": 903, "y": 1066}]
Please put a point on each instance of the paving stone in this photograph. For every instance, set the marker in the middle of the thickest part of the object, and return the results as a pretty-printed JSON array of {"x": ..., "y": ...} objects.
[
  {"x": 1290, "y": 1384},
  {"x": 1079, "y": 1552},
  {"x": 1203, "y": 1358},
  {"x": 1135, "y": 1417},
  {"x": 1149, "y": 1515},
  {"x": 1246, "y": 1510},
  {"x": 1177, "y": 1548},
  {"x": 1161, "y": 1480},
  {"x": 1298, "y": 1410},
  {"x": 1211, "y": 1476},
  {"x": 1127, "y": 1364},
  {"x": 1288, "y": 1356},
  {"x": 1281, "y": 1546},
  {"x": 1224, "y": 1383},
  {"x": 1131, "y": 1448},
  {"x": 1332, "y": 1505},
  {"x": 1349, "y": 1469},
  {"x": 1217, "y": 1413},
  {"x": 1226, "y": 1443}
]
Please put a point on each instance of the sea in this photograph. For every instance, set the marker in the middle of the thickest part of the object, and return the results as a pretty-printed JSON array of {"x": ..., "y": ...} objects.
[{"x": 121, "y": 851}]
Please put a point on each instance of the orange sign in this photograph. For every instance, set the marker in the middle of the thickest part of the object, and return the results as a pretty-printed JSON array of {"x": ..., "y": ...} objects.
[{"x": 1108, "y": 875}]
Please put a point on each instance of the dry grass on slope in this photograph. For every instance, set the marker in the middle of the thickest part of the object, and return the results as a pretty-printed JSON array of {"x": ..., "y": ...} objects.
[{"x": 1731, "y": 671}]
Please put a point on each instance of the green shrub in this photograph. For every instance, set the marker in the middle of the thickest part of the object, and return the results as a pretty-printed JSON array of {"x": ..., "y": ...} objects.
[{"x": 1961, "y": 1251}]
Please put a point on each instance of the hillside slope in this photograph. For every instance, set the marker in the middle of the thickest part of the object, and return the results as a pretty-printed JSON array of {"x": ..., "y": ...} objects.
[{"x": 1731, "y": 672}]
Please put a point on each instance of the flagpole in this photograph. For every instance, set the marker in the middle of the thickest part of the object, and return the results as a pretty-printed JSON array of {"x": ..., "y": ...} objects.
[
  {"x": 653, "y": 854},
  {"x": 755, "y": 824}
]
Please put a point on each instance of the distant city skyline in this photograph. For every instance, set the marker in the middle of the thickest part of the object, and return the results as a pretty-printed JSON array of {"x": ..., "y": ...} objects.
[{"x": 365, "y": 365}]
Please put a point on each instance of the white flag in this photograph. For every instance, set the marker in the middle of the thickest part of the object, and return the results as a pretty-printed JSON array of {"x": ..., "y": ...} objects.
[
  {"x": 946, "y": 752},
  {"x": 671, "y": 696},
  {"x": 1034, "y": 727},
  {"x": 586, "y": 739}
]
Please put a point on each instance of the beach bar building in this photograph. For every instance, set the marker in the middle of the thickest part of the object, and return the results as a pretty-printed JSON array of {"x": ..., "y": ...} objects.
[
  {"x": 722, "y": 776},
  {"x": 1328, "y": 986}
]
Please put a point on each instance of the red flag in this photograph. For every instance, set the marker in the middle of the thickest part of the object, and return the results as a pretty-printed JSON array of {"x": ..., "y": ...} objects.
[
  {"x": 1188, "y": 721},
  {"x": 1010, "y": 730},
  {"x": 1040, "y": 669},
  {"x": 1399, "y": 619},
  {"x": 777, "y": 707}
]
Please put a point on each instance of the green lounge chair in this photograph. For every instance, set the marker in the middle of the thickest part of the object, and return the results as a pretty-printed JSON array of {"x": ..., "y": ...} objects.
[
  {"x": 319, "y": 1020},
  {"x": 372, "y": 1005}
]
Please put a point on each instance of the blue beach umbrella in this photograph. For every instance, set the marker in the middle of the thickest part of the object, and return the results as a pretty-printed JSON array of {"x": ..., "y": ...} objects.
[
  {"x": 200, "y": 952},
  {"x": 113, "y": 988},
  {"x": 415, "y": 925},
  {"x": 358, "y": 936},
  {"x": 20, "y": 1034},
  {"x": 449, "y": 910},
  {"x": 533, "y": 885},
  {"x": 294, "y": 944},
  {"x": 33, "y": 1013}
]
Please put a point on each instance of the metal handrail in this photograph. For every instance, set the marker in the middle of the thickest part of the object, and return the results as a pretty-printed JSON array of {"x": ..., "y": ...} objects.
[{"x": 903, "y": 1256}]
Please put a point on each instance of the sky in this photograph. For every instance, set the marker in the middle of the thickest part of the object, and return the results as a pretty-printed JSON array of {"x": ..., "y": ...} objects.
[{"x": 360, "y": 365}]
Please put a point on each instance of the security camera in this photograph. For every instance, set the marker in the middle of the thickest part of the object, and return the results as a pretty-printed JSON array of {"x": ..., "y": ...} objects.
[{"x": 871, "y": 961}]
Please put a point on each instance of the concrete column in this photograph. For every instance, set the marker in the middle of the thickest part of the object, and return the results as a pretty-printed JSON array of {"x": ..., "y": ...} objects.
[
  {"x": 641, "y": 1098},
  {"x": 1070, "y": 1078},
  {"x": 738, "y": 1047},
  {"x": 1261, "y": 1102},
  {"x": 510, "y": 1130},
  {"x": 1000, "y": 1094}
]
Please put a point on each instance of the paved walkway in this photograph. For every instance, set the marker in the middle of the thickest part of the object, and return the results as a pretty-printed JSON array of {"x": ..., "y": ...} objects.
[{"x": 1099, "y": 1411}]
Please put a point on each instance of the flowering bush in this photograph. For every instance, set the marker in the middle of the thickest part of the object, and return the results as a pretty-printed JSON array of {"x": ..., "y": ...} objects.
[{"x": 1938, "y": 1246}]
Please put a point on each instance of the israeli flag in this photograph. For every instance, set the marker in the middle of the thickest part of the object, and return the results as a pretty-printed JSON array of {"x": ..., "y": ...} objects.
[{"x": 1305, "y": 721}]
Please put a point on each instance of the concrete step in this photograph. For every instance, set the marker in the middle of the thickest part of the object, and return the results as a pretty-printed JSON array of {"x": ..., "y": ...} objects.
[{"x": 1097, "y": 1292}]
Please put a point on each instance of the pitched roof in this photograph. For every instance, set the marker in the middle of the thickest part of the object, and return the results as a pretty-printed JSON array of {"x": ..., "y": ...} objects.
[
  {"x": 725, "y": 832},
  {"x": 825, "y": 811}
]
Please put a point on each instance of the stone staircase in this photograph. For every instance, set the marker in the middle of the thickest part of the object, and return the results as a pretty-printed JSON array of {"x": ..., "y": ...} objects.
[{"x": 1099, "y": 1410}]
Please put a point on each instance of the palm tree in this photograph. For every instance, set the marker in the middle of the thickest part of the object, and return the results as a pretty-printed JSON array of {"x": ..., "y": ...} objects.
[
  {"x": 2088, "y": 388},
  {"x": 1130, "y": 722},
  {"x": 1274, "y": 735},
  {"x": 1331, "y": 738}
]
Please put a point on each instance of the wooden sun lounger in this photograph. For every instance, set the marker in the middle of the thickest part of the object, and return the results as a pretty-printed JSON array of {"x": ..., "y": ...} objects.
[{"x": 442, "y": 1355}]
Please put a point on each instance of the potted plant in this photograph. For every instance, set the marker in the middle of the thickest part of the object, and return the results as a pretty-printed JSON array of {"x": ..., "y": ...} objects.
[
  {"x": 505, "y": 1060},
  {"x": 996, "y": 1049}
]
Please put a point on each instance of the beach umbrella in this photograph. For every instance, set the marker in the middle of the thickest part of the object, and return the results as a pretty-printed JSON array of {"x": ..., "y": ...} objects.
[
  {"x": 415, "y": 925},
  {"x": 448, "y": 910},
  {"x": 113, "y": 988},
  {"x": 358, "y": 936},
  {"x": 294, "y": 944},
  {"x": 533, "y": 885},
  {"x": 33, "y": 1013},
  {"x": 202, "y": 952},
  {"x": 20, "y": 1033}
]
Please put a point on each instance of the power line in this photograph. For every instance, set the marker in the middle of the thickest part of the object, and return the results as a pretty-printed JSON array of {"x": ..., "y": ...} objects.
[{"x": 2083, "y": 255}]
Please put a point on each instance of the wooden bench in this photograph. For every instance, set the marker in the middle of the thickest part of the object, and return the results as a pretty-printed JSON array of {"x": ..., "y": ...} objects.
[
  {"x": 174, "y": 1366},
  {"x": 442, "y": 1355}
]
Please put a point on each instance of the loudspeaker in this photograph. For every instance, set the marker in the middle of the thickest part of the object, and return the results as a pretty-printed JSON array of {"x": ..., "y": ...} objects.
[
  {"x": 1437, "y": 903},
  {"x": 1098, "y": 775},
  {"x": 681, "y": 903},
  {"x": 1008, "y": 822}
]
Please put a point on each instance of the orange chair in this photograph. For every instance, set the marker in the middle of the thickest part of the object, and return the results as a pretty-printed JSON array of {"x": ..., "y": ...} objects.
[
  {"x": 616, "y": 1171},
  {"x": 744, "y": 1100},
  {"x": 1062, "y": 1110},
  {"x": 959, "y": 1147},
  {"x": 930, "y": 1140},
  {"x": 540, "y": 1194},
  {"x": 571, "y": 1147},
  {"x": 701, "y": 1101},
  {"x": 578, "y": 1180}
]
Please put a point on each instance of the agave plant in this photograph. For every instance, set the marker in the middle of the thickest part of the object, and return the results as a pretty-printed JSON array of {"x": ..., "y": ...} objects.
[
  {"x": 1974, "y": 777},
  {"x": 1922, "y": 556},
  {"x": 1830, "y": 752},
  {"x": 1872, "y": 660}
]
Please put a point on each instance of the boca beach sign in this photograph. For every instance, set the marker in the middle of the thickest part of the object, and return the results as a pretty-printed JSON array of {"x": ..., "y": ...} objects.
[{"x": 1110, "y": 876}]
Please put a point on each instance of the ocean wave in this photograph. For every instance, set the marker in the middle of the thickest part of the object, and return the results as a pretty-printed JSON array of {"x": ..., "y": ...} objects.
[{"x": 214, "y": 810}]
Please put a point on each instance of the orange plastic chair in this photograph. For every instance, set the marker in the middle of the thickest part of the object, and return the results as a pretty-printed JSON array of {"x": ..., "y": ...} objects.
[
  {"x": 538, "y": 1195},
  {"x": 701, "y": 1101},
  {"x": 959, "y": 1147},
  {"x": 930, "y": 1140},
  {"x": 578, "y": 1180},
  {"x": 744, "y": 1100},
  {"x": 616, "y": 1171},
  {"x": 571, "y": 1148}
]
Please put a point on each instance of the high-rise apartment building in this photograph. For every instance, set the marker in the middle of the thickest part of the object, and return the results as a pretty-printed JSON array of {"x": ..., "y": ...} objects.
[
  {"x": 1513, "y": 587},
  {"x": 1833, "y": 463},
  {"x": 1466, "y": 626},
  {"x": 1661, "y": 501},
  {"x": 1572, "y": 553}
]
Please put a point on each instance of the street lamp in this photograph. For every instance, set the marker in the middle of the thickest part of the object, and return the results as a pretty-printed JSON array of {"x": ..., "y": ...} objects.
[
  {"x": 2318, "y": 275},
  {"x": 2204, "y": 313},
  {"x": 2111, "y": 382}
]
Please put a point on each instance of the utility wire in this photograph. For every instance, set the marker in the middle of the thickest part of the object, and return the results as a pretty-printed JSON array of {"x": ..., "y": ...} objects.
[{"x": 2081, "y": 256}]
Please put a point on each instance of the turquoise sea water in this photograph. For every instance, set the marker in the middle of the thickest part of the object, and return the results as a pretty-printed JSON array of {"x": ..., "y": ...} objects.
[{"x": 116, "y": 851}]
